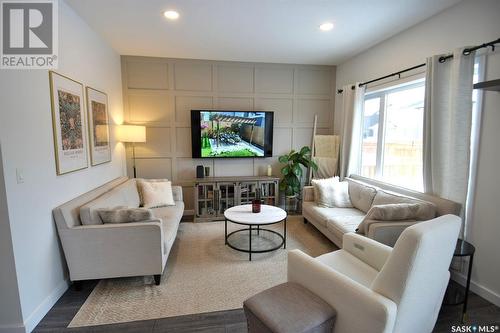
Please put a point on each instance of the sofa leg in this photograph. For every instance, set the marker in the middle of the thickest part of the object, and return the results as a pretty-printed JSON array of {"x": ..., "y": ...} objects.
[
  {"x": 305, "y": 221},
  {"x": 78, "y": 285},
  {"x": 157, "y": 279}
]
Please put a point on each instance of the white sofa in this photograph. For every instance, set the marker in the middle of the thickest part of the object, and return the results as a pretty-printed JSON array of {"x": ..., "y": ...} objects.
[
  {"x": 96, "y": 251},
  {"x": 363, "y": 192},
  {"x": 377, "y": 289}
]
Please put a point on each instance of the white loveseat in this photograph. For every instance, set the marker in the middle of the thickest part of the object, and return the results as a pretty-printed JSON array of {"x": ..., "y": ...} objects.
[
  {"x": 335, "y": 222},
  {"x": 95, "y": 250}
]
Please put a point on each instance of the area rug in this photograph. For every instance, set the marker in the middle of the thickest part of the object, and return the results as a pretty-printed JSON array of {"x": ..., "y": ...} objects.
[{"x": 202, "y": 275}]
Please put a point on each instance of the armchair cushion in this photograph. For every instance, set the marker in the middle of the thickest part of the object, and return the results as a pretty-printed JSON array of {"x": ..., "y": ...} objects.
[
  {"x": 349, "y": 265},
  {"x": 359, "y": 309},
  {"x": 367, "y": 250}
]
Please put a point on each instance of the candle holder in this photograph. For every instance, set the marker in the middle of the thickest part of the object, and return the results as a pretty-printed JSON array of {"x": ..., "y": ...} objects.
[{"x": 256, "y": 203}]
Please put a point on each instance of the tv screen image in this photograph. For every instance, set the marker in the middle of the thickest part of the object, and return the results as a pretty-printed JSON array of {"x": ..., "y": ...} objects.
[{"x": 223, "y": 134}]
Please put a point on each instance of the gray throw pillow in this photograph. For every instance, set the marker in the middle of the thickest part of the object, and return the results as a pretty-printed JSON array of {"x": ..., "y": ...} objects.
[
  {"x": 125, "y": 215},
  {"x": 389, "y": 212}
]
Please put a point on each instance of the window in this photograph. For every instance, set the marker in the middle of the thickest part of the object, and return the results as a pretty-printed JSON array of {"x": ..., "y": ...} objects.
[{"x": 393, "y": 135}]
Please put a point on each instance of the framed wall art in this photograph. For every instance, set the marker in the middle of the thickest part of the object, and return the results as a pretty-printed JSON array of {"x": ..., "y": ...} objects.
[
  {"x": 97, "y": 106},
  {"x": 68, "y": 123}
]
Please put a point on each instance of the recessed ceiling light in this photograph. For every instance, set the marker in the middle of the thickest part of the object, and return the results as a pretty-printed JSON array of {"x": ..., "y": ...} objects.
[
  {"x": 327, "y": 26},
  {"x": 171, "y": 14}
]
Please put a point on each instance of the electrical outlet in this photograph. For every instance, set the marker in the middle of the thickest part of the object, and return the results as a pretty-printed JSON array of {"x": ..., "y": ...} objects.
[{"x": 19, "y": 176}]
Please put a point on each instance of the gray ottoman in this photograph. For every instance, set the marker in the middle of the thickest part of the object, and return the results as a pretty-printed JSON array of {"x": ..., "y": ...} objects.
[{"x": 288, "y": 308}]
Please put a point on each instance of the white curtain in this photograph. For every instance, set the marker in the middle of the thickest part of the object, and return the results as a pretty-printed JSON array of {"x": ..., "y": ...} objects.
[
  {"x": 352, "y": 128},
  {"x": 447, "y": 126}
]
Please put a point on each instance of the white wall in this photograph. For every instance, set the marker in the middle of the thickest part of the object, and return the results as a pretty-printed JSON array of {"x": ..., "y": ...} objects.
[
  {"x": 10, "y": 307},
  {"x": 471, "y": 22},
  {"x": 27, "y": 143}
]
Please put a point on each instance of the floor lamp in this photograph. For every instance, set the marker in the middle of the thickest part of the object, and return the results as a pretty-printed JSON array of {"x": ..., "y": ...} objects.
[{"x": 133, "y": 134}]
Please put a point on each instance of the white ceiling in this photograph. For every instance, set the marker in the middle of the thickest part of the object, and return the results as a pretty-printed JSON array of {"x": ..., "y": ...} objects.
[{"x": 281, "y": 31}]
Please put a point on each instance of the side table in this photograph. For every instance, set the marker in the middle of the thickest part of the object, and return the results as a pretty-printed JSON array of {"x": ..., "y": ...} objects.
[{"x": 456, "y": 294}]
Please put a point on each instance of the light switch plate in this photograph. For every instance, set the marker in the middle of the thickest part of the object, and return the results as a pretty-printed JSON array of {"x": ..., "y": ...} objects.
[{"x": 19, "y": 176}]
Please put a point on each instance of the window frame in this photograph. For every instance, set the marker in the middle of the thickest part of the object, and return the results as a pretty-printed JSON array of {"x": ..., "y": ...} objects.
[{"x": 382, "y": 92}]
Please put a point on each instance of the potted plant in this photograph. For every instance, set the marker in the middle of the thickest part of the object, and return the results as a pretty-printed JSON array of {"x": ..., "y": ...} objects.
[{"x": 292, "y": 171}]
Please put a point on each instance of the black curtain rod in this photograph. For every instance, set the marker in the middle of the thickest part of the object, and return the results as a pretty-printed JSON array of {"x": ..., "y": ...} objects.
[
  {"x": 441, "y": 60},
  {"x": 385, "y": 77},
  {"x": 468, "y": 51}
]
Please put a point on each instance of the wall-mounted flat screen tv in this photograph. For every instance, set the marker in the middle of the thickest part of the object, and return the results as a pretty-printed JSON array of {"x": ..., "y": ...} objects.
[{"x": 236, "y": 134}]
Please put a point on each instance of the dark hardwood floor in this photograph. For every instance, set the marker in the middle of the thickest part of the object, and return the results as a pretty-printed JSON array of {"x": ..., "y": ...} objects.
[{"x": 480, "y": 312}]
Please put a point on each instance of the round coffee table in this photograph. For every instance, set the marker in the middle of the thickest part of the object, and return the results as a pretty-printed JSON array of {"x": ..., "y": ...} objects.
[{"x": 243, "y": 215}]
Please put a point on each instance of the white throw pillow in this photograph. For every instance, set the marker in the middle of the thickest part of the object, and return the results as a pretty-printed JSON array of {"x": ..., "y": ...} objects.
[
  {"x": 156, "y": 194},
  {"x": 323, "y": 191},
  {"x": 330, "y": 192},
  {"x": 341, "y": 195},
  {"x": 139, "y": 190}
]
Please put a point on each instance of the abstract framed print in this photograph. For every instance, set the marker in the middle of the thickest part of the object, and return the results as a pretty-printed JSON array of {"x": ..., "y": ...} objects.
[
  {"x": 97, "y": 108},
  {"x": 68, "y": 123}
]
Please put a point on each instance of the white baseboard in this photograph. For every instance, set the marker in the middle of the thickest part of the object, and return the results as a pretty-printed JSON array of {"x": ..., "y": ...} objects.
[
  {"x": 36, "y": 316},
  {"x": 482, "y": 291},
  {"x": 12, "y": 329}
]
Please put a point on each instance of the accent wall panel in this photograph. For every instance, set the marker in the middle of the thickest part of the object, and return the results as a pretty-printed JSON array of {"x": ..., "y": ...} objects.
[
  {"x": 184, "y": 105},
  {"x": 282, "y": 141},
  {"x": 183, "y": 141},
  {"x": 307, "y": 108},
  {"x": 186, "y": 167},
  {"x": 274, "y": 80},
  {"x": 161, "y": 92},
  {"x": 235, "y": 79},
  {"x": 147, "y": 75},
  {"x": 233, "y": 167},
  {"x": 154, "y": 167},
  {"x": 314, "y": 81},
  {"x": 282, "y": 107},
  {"x": 157, "y": 144},
  {"x": 193, "y": 76},
  {"x": 149, "y": 107},
  {"x": 235, "y": 103}
]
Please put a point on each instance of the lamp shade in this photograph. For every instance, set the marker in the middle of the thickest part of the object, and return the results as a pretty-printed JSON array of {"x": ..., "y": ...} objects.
[{"x": 131, "y": 133}]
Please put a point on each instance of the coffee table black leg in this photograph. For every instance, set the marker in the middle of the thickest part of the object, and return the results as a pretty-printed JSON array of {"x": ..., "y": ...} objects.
[
  {"x": 258, "y": 229},
  {"x": 225, "y": 231},
  {"x": 249, "y": 243},
  {"x": 284, "y": 235},
  {"x": 467, "y": 286}
]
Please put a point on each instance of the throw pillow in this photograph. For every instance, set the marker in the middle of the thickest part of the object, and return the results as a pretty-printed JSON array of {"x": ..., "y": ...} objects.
[
  {"x": 156, "y": 194},
  {"x": 361, "y": 195},
  {"x": 139, "y": 190},
  {"x": 427, "y": 210},
  {"x": 341, "y": 195},
  {"x": 323, "y": 191},
  {"x": 124, "y": 215},
  {"x": 389, "y": 212}
]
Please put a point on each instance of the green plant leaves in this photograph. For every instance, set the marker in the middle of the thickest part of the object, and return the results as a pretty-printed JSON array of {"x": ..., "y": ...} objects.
[
  {"x": 283, "y": 159},
  {"x": 292, "y": 172},
  {"x": 297, "y": 170}
]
